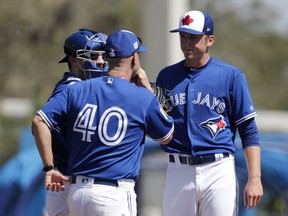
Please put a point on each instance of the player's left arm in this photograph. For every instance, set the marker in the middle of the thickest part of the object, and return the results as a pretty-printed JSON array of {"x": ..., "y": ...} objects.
[
  {"x": 42, "y": 136},
  {"x": 253, "y": 191}
]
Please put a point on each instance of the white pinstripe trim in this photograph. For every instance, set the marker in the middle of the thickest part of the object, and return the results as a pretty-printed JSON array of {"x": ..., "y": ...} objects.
[
  {"x": 73, "y": 79},
  {"x": 245, "y": 118},
  {"x": 45, "y": 119},
  {"x": 167, "y": 135},
  {"x": 129, "y": 202}
]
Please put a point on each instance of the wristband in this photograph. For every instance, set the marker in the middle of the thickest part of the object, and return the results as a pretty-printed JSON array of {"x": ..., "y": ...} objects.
[{"x": 48, "y": 168}]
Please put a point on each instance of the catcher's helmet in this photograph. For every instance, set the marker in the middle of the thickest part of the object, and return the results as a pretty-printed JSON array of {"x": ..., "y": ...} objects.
[
  {"x": 94, "y": 49},
  {"x": 87, "y": 45}
]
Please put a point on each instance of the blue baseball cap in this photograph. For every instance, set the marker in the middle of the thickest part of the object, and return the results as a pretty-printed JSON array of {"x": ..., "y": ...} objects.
[
  {"x": 196, "y": 23},
  {"x": 122, "y": 44}
]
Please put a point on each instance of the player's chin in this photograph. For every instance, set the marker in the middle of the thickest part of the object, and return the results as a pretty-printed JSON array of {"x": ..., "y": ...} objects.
[
  {"x": 189, "y": 56},
  {"x": 188, "y": 53}
]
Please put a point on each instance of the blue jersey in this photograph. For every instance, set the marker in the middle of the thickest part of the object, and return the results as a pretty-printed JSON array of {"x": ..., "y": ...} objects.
[
  {"x": 107, "y": 119},
  {"x": 58, "y": 141},
  {"x": 67, "y": 79},
  {"x": 208, "y": 104}
]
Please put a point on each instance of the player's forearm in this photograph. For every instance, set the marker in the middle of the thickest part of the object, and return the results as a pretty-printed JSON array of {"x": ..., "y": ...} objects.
[
  {"x": 253, "y": 191},
  {"x": 142, "y": 79},
  {"x": 253, "y": 161},
  {"x": 42, "y": 136}
]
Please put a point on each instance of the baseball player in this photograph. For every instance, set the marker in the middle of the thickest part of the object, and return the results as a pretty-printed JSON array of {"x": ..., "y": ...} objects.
[
  {"x": 106, "y": 120},
  {"x": 210, "y": 101},
  {"x": 84, "y": 52}
]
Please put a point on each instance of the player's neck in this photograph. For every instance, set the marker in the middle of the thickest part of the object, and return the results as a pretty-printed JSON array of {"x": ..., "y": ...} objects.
[{"x": 119, "y": 73}]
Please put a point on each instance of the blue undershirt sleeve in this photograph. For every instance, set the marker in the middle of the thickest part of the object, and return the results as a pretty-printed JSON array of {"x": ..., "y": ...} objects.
[{"x": 249, "y": 133}]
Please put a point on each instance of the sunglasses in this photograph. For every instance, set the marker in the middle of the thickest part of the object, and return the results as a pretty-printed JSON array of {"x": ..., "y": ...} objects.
[{"x": 91, "y": 54}]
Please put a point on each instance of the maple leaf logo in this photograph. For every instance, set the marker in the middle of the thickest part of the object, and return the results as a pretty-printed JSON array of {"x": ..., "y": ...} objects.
[
  {"x": 187, "y": 20},
  {"x": 221, "y": 124}
]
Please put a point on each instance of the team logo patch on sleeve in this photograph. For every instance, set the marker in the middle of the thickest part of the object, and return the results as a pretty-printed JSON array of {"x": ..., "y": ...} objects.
[{"x": 215, "y": 125}]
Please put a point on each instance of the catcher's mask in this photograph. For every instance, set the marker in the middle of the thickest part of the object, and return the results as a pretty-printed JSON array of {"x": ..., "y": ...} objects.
[
  {"x": 93, "y": 56},
  {"x": 88, "y": 46}
]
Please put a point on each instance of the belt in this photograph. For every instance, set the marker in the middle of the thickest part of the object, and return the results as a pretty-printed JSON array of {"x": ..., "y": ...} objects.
[
  {"x": 74, "y": 179},
  {"x": 196, "y": 160}
]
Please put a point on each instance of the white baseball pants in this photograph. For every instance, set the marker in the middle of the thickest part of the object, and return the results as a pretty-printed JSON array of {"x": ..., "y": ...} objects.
[
  {"x": 56, "y": 202},
  {"x": 201, "y": 190},
  {"x": 89, "y": 199}
]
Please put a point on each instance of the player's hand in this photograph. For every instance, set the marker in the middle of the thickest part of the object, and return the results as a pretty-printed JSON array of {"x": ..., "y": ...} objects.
[
  {"x": 253, "y": 192},
  {"x": 54, "y": 181},
  {"x": 141, "y": 79}
]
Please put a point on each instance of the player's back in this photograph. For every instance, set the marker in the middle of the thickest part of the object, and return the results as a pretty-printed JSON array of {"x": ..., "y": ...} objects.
[
  {"x": 107, "y": 120},
  {"x": 106, "y": 92}
]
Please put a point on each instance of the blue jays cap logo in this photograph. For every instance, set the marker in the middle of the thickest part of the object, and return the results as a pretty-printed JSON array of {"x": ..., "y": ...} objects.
[
  {"x": 112, "y": 52},
  {"x": 215, "y": 125},
  {"x": 187, "y": 20}
]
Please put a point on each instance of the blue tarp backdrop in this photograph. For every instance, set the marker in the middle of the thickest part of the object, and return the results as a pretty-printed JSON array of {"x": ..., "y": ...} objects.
[{"x": 22, "y": 190}]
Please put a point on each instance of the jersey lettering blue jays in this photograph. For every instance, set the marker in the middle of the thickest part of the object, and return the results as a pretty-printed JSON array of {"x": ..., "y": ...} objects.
[
  {"x": 106, "y": 121},
  {"x": 207, "y": 105}
]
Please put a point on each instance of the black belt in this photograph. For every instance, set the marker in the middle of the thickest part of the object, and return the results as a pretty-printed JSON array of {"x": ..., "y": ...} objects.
[
  {"x": 73, "y": 180},
  {"x": 196, "y": 160}
]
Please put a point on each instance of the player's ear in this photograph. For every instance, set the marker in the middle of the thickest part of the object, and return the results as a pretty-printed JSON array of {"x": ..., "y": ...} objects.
[
  {"x": 72, "y": 59},
  {"x": 210, "y": 40},
  {"x": 134, "y": 59}
]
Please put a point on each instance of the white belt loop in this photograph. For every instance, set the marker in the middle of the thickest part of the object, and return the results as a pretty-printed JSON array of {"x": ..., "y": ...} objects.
[
  {"x": 176, "y": 158},
  {"x": 219, "y": 156},
  {"x": 127, "y": 183}
]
